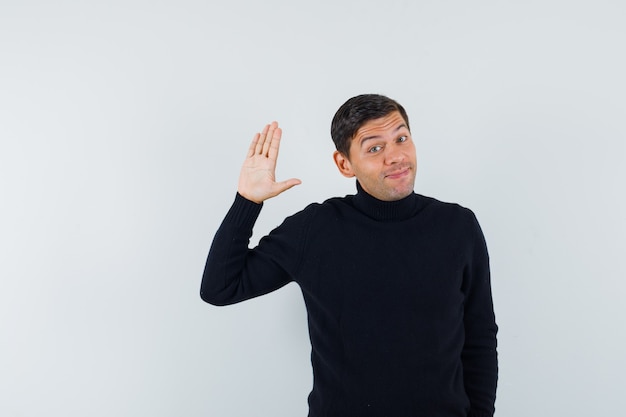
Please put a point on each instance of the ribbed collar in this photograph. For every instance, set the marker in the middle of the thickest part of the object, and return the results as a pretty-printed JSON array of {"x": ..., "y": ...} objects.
[{"x": 385, "y": 211}]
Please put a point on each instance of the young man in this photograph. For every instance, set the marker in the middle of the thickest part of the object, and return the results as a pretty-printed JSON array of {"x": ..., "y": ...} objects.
[{"x": 396, "y": 284}]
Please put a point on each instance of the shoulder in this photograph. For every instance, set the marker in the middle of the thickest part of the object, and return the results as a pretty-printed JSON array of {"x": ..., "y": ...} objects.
[
  {"x": 452, "y": 214},
  {"x": 317, "y": 210},
  {"x": 452, "y": 208},
  {"x": 328, "y": 206},
  {"x": 320, "y": 215}
]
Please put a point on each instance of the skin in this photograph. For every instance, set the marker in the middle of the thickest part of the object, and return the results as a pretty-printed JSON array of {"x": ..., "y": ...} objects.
[
  {"x": 382, "y": 157},
  {"x": 257, "y": 180}
]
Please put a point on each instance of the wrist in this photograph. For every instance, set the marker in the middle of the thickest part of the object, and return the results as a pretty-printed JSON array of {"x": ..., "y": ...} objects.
[{"x": 249, "y": 197}]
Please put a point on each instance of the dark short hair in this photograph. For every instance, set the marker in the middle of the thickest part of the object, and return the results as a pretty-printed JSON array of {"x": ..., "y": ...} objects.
[{"x": 357, "y": 111}]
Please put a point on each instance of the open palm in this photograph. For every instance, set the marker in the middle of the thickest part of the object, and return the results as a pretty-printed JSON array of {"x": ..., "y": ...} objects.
[{"x": 257, "y": 180}]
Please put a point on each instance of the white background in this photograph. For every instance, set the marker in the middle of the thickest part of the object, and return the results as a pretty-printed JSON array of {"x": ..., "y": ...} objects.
[{"x": 123, "y": 125}]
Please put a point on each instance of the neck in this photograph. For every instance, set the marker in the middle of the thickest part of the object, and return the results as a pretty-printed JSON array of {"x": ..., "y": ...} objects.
[{"x": 385, "y": 210}]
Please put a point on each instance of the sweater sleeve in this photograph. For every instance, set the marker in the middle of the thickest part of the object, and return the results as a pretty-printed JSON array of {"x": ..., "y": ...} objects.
[
  {"x": 234, "y": 272},
  {"x": 479, "y": 356}
]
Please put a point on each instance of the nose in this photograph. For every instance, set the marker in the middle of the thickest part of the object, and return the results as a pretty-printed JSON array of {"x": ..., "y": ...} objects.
[{"x": 394, "y": 155}]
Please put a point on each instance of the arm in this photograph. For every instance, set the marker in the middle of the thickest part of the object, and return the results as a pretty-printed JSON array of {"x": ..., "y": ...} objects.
[
  {"x": 479, "y": 356},
  {"x": 233, "y": 272}
]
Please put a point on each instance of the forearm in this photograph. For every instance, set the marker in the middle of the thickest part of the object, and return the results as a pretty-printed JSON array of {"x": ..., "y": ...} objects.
[
  {"x": 480, "y": 372},
  {"x": 233, "y": 271},
  {"x": 225, "y": 264},
  {"x": 479, "y": 356}
]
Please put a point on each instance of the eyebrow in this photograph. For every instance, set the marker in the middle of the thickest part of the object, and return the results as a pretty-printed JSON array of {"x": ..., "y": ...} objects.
[{"x": 378, "y": 136}]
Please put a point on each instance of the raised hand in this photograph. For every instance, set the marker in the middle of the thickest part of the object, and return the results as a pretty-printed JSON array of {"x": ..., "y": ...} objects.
[{"x": 257, "y": 181}]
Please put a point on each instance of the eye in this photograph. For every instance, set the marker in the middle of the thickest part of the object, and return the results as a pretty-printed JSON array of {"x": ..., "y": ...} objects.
[
  {"x": 374, "y": 149},
  {"x": 403, "y": 139}
]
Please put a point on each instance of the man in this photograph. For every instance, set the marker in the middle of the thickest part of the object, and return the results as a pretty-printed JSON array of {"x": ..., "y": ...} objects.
[{"x": 396, "y": 284}]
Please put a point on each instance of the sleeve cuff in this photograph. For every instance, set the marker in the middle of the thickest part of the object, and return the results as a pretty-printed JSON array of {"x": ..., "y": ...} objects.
[{"x": 243, "y": 211}]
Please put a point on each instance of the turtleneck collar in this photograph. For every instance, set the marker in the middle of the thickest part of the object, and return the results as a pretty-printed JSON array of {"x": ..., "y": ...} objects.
[{"x": 385, "y": 211}]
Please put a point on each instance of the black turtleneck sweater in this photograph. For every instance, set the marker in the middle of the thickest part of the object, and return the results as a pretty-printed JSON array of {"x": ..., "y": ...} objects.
[{"x": 398, "y": 298}]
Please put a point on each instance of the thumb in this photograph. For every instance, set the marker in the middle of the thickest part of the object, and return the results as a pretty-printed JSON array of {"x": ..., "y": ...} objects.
[{"x": 287, "y": 184}]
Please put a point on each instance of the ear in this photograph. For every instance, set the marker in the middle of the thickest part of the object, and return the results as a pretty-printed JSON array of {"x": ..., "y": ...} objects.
[{"x": 343, "y": 164}]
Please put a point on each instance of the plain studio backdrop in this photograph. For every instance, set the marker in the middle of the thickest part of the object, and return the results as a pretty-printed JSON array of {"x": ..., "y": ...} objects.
[{"x": 123, "y": 125}]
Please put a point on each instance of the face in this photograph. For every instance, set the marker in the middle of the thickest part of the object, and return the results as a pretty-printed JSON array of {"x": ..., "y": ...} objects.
[{"x": 382, "y": 158}]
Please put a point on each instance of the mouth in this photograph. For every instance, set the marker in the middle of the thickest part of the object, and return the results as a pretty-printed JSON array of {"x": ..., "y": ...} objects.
[{"x": 399, "y": 173}]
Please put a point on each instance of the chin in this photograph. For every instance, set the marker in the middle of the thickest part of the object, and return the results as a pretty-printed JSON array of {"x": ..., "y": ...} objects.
[
  {"x": 396, "y": 195},
  {"x": 400, "y": 193},
  {"x": 401, "y": 196}
]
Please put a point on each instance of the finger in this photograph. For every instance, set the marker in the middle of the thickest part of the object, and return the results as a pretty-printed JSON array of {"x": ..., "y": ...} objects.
[
  {"x": 259, "y": 145},
  {"x": 253, "y": 145},
  {"x": 285, "y": 185},
  {"x": 275, "y": 144},
  {"x": 268, "y": 138}
]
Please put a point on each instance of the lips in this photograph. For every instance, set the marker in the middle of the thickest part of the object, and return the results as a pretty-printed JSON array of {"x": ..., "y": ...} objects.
[{"x": 398, "y": 173}]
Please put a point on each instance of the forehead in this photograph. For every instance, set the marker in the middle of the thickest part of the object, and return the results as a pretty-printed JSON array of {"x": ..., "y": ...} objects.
[{"x": 380, "y": 127}]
